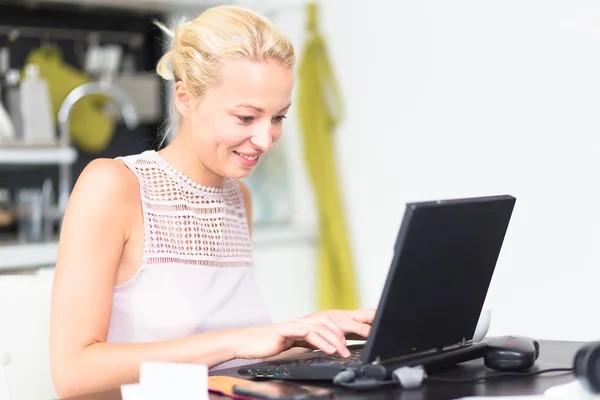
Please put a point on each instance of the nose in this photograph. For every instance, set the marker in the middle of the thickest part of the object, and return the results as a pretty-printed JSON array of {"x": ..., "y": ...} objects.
[{"x": 262, "y": 137}]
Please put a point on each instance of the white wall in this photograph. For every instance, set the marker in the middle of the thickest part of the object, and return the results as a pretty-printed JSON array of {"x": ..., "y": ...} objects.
[{"x": 470, "y": 97}]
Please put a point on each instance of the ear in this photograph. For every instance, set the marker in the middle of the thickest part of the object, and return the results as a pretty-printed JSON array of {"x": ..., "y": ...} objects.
[{"x": 184, "y": 102}]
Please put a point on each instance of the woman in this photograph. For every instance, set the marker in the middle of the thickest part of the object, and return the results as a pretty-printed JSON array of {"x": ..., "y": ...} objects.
[{"x": 155, "y": 258}]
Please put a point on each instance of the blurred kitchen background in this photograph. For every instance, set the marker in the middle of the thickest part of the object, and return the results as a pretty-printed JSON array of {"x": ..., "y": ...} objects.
[
  {"x": 441, "y": 99},
  {"x": 48, "y": 51},
  {"x": 77, "y": 82},
  {"x": 71, "y": 73}
]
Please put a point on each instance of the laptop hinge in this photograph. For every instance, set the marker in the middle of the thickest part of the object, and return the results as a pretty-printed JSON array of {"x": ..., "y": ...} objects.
[{"x": 463, "y": 343}]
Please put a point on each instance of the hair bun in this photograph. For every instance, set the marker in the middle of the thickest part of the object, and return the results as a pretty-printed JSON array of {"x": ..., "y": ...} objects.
[{"x": 164, "y": 67}]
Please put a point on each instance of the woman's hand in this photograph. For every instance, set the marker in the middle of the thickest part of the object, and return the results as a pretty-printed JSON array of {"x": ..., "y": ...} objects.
[
  {"x": 314, "y": 331},
  {"x": 324, "y": 330},
  {"x": 356, "y": 324}
]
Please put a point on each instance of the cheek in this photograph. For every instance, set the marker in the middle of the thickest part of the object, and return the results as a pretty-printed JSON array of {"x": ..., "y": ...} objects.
[
  {"x": 231, "y": 134},
  {"x": 276, "y": 132}
]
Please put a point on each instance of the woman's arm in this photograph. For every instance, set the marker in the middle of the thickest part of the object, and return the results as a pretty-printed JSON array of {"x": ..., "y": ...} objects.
[{"x": 96, "y": 227}]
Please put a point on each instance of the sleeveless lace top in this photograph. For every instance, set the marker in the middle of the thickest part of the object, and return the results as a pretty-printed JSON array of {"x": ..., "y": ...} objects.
[{"x": 196, "y": 273}]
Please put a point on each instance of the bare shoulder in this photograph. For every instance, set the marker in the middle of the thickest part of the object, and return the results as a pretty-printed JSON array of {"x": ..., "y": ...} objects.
[
  {"x": 247, "y": 202},
  {"x": 107, "y": 177},
  {"x": 105, "y": 193}
]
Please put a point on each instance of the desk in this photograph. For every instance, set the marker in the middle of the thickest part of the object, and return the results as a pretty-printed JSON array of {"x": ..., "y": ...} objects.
[{"x": 553, "y": 354}]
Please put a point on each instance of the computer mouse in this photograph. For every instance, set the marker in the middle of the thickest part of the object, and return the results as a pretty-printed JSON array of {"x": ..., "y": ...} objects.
[{"x": 511, "y": 353}]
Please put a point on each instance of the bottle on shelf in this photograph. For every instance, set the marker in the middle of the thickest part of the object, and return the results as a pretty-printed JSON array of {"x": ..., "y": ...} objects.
[{"x": 36, "y": 108}]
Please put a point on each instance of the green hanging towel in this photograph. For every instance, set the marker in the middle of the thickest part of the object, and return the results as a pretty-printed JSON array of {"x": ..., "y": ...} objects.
[{"x": 320, "y": 107}]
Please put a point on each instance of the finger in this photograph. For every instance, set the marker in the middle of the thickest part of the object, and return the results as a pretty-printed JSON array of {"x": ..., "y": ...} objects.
[
  {"x": 359, "y": 329},
  {"x": 339, "y": 344},
  {"x": 335, "y": 328},
  {"x": 365, "y": 315},
  {"x": 304, "y": 344},
  {"x": 320, "y": 343},
  {"x": 294, "y": 331}
]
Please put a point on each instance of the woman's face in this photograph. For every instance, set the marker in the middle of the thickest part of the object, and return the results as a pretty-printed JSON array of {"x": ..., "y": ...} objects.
[{"x": 235, "y": 123}]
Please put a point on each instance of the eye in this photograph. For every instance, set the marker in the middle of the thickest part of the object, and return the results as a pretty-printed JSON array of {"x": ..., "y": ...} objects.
[
  {"x": 245, "y": 119},
  {"x": 279, "y": 118}
]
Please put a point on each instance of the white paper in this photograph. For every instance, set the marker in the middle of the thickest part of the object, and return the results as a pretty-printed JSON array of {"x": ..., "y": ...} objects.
[
  {"x": 132, "y": 392},
  {"x": 162, "y": 380}
]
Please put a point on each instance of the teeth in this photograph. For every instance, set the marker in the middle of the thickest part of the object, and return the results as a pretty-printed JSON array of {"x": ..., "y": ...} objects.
[{"x": 247, "y": 157}]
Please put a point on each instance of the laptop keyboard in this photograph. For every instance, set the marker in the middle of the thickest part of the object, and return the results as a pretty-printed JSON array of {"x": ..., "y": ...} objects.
[{"x": 324, "y": 359}]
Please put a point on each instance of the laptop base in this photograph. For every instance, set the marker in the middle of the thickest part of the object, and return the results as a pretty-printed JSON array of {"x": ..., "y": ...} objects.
[{"x": 295, "y": 369}]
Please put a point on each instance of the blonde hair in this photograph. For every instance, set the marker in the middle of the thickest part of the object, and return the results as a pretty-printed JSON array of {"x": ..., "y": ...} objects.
[{"x": 202, "y": 46}]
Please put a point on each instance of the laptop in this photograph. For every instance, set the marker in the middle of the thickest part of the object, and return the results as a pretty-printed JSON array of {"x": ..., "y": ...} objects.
[{"x": 444, "y": 258}]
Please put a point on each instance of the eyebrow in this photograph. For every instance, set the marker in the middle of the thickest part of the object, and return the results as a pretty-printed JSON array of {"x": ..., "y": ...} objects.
[{"x": 261, "y": 110}]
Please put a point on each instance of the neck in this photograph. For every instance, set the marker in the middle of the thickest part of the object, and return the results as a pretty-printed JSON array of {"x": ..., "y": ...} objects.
[{"x": 181, "y": 154}]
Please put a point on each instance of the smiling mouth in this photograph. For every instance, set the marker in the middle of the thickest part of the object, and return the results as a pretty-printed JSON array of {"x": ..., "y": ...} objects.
[{"x": 249, "y": 158}]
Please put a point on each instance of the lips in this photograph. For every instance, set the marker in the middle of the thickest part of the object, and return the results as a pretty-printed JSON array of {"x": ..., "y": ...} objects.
[
  {"x": 248, "y": 159},
  {"x": 248, "y": 156}
]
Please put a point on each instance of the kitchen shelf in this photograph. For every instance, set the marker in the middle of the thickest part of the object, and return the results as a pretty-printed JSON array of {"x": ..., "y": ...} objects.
[
  {"x": 36, "y": 155},
  {"x": 15, "y": 255}
]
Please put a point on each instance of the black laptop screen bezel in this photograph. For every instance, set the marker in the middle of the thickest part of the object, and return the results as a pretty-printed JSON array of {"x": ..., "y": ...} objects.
[{"x": 468, "y": 233}]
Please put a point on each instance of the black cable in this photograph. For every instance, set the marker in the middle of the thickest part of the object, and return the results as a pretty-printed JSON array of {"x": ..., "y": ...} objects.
[
  {"x": 497, "y": 375},
  {"x": 371, "y": 383}
]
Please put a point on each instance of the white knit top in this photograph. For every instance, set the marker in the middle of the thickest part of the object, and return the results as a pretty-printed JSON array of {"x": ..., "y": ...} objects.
[{"x": 197, "y": 272}]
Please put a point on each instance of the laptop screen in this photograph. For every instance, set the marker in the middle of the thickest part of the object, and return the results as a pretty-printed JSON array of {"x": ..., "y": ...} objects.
[{"x": 444, "y": 259}]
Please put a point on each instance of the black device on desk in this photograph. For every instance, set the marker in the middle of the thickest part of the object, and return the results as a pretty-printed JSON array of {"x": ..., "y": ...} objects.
[
  {"x": 511, "y": 353},
  {"x": 444, "y": 258}
]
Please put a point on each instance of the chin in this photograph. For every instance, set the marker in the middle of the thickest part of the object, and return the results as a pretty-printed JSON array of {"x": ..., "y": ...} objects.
[
  {"x": 239, "y": 173},
  {"x": 235, "y": 169}
]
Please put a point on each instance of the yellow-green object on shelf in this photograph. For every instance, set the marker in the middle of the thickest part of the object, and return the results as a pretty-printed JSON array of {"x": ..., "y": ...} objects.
[
  {"x": 90, "y": 129},
  {"x": 320, "y": 109}
]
